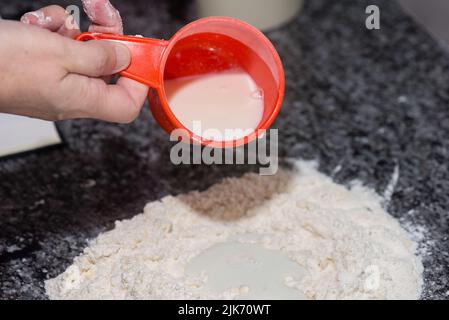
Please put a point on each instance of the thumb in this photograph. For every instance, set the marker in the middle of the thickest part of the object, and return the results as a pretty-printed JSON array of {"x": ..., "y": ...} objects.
[{"x": 98, "y": 58}]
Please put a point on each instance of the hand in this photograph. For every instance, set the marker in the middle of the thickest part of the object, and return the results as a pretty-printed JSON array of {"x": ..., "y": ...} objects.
[
  {"x": 104, "y": 17},
  {"x": 49, "y": 76}
]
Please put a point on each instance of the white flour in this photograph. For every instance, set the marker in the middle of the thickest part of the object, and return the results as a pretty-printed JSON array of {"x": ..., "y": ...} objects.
[{"x": 349, "y": 247}]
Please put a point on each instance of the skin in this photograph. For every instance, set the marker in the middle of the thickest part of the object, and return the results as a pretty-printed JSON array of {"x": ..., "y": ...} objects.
[{"x": 46, "y": 74}]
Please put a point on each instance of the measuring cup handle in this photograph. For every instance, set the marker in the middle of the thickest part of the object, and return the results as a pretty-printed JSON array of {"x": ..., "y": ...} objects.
[{"x": 146, "y": 56}]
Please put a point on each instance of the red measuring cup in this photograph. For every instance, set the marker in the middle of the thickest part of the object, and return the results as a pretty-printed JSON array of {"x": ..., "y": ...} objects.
[{"x": 208, "y": 45}]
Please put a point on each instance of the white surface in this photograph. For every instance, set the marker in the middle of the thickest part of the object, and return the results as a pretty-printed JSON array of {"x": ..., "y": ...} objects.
[
  {"x": 432, "y": 14},
  {"x": 263, "y": 14},
  {"x": 226, "y": 105},
  {"x": 19, "y": 134}
]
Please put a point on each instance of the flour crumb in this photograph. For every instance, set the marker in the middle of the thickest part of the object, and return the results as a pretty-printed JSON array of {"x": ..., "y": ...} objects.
[
  {"x": 389, "y": 190},
  {"x": 348, "y": 245}
]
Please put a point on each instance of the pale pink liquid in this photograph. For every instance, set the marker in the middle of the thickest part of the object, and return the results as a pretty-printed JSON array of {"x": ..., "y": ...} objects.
[{"x": 220, "y": 106}]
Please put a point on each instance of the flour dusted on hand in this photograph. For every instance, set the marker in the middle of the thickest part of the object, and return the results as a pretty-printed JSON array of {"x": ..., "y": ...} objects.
[{"x": 338, "y": 244}]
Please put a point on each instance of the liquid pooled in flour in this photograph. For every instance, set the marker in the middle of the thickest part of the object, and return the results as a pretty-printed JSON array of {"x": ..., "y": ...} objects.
[
  {"x": 257, "y": 272},
  {"x": 219, "y": 106}
]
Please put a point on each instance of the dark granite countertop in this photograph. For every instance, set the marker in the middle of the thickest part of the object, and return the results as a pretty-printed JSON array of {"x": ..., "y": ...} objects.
[{"x": 367, "y": 101}]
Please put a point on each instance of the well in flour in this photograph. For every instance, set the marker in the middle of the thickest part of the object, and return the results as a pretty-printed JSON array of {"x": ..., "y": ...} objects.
[{"x": 343, "y": 242}]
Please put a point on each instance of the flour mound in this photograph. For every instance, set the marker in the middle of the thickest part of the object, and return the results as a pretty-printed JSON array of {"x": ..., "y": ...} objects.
[{"x": 348, "y": 245}]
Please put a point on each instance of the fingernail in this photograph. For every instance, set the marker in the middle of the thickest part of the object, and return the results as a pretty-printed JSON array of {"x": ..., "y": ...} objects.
[
  {"x": 123, "y": 57},
  {"x": 25, "y": 19},
  {"x": 38, "y": 18}
]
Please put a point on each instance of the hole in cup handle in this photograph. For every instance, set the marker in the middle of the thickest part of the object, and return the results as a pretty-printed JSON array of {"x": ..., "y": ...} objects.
[{"x": 86, "y": 36}]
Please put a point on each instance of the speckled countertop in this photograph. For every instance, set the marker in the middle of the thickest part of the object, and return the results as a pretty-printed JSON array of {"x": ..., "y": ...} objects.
[{"x": 361, "y": 101}]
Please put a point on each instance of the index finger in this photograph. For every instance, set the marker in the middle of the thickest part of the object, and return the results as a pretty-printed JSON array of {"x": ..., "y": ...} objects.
[{"x": 105, "y": 18}]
